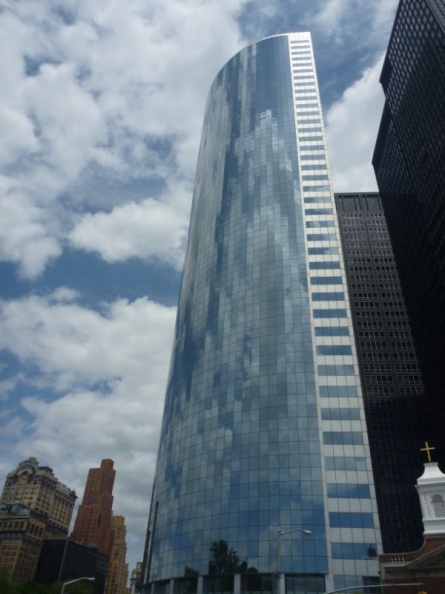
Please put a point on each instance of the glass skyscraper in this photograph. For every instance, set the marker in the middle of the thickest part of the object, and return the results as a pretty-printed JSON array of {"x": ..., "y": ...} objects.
[{"x": 263, "y": 481}]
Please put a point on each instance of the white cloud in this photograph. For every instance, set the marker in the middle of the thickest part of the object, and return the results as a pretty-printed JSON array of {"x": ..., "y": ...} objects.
[
  {"x": 351, "y": 128},
  {"x": 26, "y": 237},
  {"x": 17, "y": 134},
  {"x": 107, "y": 84},
  {"x": 70, "y": 122},
  {"x": 70, "y": 343},
  {"x": 7, "y": 386},
  {"x": 358, "y": 20},
  {"x": 150, "y": 229},
  {"x": 331, "y": 15},
  {"x": 105, "y": 376}
]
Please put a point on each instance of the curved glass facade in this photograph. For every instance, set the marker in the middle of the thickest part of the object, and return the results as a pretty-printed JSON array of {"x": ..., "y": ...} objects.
[{"x": 263, "y": 385}]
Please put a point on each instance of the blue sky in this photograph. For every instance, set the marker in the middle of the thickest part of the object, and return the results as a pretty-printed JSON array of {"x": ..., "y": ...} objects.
[{"x": 100, "y": 119}]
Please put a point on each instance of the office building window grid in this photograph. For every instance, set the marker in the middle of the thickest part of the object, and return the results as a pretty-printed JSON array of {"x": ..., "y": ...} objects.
[
  {"x": 340, "y": 369},
  {"x": 393, "y": 389},
  {"x": 408, "y": 162}
]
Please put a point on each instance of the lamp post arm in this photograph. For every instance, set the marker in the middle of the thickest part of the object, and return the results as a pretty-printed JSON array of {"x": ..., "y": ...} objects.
[
  {"x": 88, "y": 579},
  {"x": 295, "y": 530}
]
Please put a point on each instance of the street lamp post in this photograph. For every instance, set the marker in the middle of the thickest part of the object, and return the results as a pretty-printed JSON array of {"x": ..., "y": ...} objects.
[
  {"x": 280, "y": 533},
  {"x": 88, "y": 579}
]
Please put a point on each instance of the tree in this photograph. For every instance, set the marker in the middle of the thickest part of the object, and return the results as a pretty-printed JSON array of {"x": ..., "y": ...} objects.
[
  {"x": 33, "y": 588},
  {"x": 225, "y": 560},
  {"x": 6, "y": 584}
]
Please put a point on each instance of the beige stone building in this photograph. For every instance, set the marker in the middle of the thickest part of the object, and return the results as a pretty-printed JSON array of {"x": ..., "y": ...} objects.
[
  {"x": 38, "y": 488},
  {"x": 136, "y": 578},
  {"x": 21, "y": 535},
  {"x": 118, "y": 568}
]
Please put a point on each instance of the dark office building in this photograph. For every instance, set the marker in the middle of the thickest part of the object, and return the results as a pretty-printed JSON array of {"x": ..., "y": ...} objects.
[
  {"x": 409, "y": 161},
  {"x": 393, "y": 390},
  {"x": 62, "y": 559}
]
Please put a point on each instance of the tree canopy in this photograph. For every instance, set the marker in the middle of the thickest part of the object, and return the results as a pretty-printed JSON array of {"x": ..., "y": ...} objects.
[{"x": 7, "y": 586}]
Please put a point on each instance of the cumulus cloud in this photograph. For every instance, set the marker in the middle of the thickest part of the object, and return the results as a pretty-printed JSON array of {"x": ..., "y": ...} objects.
[
  {"x": 72, "y": 344},
  {"x": 17, "y": 135},
  {"x": 104, "y": 83},
  {"x": 331, "y": 15},
  {"x": 27, "y": 238},
  {"x": 104, "y": 374},
  {"x": 351, "y": 128},
  {"x": 7, "y": 386},
  {"x": 358, "y": 20},
  {"x": 149, "y": 229}
]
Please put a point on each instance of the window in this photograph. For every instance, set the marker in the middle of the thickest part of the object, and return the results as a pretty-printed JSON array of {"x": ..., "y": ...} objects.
[
  {"x": 352, "y": 550},
  {"x": 340, "y": 414},
  {"x": 351, "y": 520},
  {"x": 330, "y": 313},
  {"x": 318, "y": 211},
  {"x": 311, "y": 138},
  {"x": 326, "y": 280},
  {"x": 438, "y": 506},
  {"x": 324, "y": 265},
  {"x": 342, "y": 438},
  {"x": 334, "y": 350},
  {"x": 321, "y": 237},
  {"x": 336, "y": 370},
  {"x": 320, "y": 251},
  {"x": 320, "y": 225},
  {"x": 347, "y": 490},
  {"x": 345, "y": 463},
  {"x": 319, "y": 177},
  {"x": 328, "y": 296},
  {"x": 338, "y": 391},
  {"x": 331, "y": 331}
]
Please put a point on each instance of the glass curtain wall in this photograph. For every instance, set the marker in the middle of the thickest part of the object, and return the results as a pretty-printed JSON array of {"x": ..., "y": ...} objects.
[{"x": 263, "y": 426}]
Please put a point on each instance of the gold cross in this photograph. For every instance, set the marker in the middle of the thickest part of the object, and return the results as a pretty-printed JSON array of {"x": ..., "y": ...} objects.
[{"x": 428, "y": 449}]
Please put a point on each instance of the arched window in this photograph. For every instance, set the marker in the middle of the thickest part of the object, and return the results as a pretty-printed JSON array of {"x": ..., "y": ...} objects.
[{"x": 438, "y": 506}]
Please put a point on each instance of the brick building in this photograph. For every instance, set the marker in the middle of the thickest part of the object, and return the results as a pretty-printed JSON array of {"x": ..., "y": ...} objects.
[{"x": 93, "y": 521}]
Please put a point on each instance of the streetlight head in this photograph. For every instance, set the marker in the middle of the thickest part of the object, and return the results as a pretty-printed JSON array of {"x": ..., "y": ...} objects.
[
  {"x": 307, "y": 531},
  {"x": 90, "y": 579}
]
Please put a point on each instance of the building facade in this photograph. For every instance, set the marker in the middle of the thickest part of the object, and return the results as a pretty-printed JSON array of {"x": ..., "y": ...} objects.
[
  {"x": 62, "y": 559},
  {"x": 93, "y": 520},
  {"x": 136, "y": 578},
  {"x": 118, "y": 569},
  {"x": 409, "y": 162},
  {"x": 393, "y": 390},
  {"x": 264, "y": 471},
  {"x": 38, "y": 488},
  {"x": 22, "y": 531}
]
